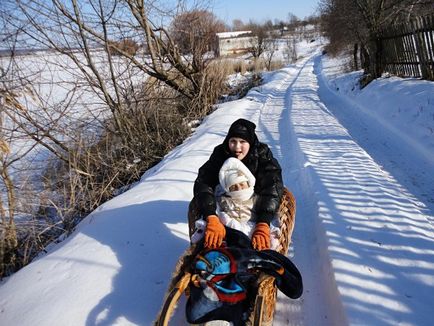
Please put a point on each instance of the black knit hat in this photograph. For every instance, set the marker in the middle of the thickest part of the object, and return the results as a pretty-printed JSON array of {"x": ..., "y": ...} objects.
[{"x": 244, "y": 129}]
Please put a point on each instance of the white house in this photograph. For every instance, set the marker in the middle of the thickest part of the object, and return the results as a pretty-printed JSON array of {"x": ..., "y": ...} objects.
[{"x": 235, "y": 42}]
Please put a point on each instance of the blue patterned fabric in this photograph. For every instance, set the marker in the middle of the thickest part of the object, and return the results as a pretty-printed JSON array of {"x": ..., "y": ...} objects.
[{"x": 224, "y": 282}]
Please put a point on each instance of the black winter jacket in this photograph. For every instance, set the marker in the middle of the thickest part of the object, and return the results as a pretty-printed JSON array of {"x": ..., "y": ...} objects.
[{"x": 262, "y": 164}]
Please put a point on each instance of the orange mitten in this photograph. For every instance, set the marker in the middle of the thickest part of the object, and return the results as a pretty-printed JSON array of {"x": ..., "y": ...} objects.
[
  {"x": 261, "y": 237},
  {"x": 215, "y": 232}
]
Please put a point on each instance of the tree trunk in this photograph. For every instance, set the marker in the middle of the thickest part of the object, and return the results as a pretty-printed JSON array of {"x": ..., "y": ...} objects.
[
  {"x": 372, "y": 58},
  {"x": 355, "y": 50}
]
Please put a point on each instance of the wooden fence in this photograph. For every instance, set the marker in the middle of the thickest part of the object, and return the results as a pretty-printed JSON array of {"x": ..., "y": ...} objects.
[{"x": 408, "y": 48}]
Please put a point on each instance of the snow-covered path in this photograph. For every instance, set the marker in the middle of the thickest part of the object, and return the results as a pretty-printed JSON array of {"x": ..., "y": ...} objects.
[
  {"x": 365, "y": 246},
  {"x": 363, "y": 240}
]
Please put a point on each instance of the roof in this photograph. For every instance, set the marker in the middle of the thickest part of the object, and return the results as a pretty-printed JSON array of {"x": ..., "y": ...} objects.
[{"x": 232, "y": 34}]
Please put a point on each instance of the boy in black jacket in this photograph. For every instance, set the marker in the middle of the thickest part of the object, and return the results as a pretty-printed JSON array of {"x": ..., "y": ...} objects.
[{"x": 241, "y": 142}]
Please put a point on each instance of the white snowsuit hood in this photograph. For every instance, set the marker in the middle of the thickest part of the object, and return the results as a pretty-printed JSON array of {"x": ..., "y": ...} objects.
[{"x": 234, "y": 171}]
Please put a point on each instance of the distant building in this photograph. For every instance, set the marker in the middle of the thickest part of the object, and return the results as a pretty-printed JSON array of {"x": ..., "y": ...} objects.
[{"x": 234, "y": 42}]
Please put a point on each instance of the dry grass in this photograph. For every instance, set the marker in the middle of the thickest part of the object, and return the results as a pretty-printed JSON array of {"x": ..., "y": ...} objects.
[
  {"x": 98, "y": 168},
  {"x": 252, "y": 66}
]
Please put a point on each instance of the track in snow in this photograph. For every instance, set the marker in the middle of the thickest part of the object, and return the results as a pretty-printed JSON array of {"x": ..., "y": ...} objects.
[
  {"x": 273, "y": 124},
  {"x": 354, "y": 220}
]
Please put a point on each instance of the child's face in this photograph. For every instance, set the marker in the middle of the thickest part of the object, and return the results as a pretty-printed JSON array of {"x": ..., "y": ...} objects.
[
  {"x": 239, "y": 186},
  {"x": 238, "y": 147}
]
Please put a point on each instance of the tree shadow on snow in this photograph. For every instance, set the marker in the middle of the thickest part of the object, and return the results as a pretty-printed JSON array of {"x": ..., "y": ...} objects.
[
  {"x": 147, "y": 251},
  {"x": 379, "y": 243}
]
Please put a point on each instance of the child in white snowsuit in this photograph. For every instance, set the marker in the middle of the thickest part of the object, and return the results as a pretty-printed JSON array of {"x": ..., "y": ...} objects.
[{"x": 235, "y": 200}]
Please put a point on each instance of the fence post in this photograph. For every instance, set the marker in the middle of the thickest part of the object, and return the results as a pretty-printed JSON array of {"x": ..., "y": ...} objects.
[
  {"x": 421, "y": 47},
  {"x": 429, "y": 42}
]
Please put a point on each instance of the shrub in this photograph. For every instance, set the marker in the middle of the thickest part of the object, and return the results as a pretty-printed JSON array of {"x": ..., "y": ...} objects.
[
  {"x": 99, "y": 167},
  {"x": 126, "y": 45}
]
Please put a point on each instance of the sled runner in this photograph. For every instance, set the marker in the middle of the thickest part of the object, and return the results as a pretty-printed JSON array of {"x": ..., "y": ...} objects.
[{"x": 261, "y": 308}]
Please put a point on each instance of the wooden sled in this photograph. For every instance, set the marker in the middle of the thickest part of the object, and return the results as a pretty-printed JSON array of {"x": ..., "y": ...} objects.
[{"x": 263, "y": 311}]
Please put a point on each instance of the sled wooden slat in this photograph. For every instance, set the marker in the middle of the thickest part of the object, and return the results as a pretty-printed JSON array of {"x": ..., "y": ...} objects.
[
  {"x": 259, "y": 309},
  {"x": 172, "y": 299}
]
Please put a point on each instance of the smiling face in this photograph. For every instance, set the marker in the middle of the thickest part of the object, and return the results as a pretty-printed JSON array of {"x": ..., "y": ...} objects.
[{"x": 238, "y": 147}]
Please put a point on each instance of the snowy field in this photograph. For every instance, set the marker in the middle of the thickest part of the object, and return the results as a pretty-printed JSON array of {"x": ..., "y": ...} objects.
[{"x": 361, "y": 166}]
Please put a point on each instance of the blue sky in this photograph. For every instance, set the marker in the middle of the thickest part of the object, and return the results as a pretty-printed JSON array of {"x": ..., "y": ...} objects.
[{"x": 261, "y": 10}]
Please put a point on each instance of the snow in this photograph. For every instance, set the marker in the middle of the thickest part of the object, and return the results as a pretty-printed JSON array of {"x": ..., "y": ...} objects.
[{"x": 361, "y": 166}]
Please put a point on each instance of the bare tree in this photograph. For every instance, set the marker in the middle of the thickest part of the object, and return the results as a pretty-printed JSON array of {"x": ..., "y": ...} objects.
[
  {"x": 293, "y": 21},
  {"x": 194, "y": 32},
  {"x": 271, "y": 46},
  {"x": 238, "y": 25},
  {"x": 258, "y": 43},
  {"x": 341, "y": 22},
  {"x": 290, "y": 50},
  {"x": 360, "y": 22},
  {"x": 8, "y": 233}
]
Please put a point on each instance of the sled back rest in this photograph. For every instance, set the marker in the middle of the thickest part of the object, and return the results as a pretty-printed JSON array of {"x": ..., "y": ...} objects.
[{"x": 286, "y": 214}]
